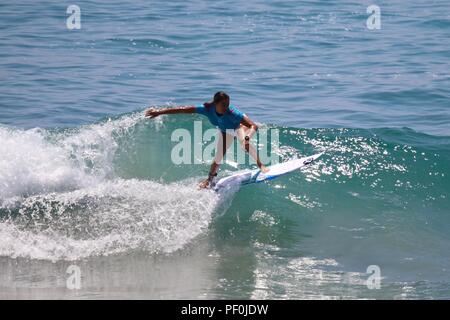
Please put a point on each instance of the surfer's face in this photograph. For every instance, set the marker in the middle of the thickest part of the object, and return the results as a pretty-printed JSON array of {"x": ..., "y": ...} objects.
[{"x": 222, "y": 107}]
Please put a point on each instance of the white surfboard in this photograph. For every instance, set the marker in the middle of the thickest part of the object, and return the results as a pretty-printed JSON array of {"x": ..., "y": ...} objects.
[{"x": 255, "y": 176}]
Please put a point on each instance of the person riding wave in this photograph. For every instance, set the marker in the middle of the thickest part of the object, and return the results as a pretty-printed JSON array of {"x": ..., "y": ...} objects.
[{"x": 229, "y": 120}]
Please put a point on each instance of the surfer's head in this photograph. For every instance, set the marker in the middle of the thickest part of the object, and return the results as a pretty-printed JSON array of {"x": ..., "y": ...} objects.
[{"x": 221, "y": 100}]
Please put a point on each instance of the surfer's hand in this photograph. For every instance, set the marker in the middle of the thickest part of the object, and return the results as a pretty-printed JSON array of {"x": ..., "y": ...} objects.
[
  {"x": 204, "y": 184},
  {"x": 152, "y": 113}
]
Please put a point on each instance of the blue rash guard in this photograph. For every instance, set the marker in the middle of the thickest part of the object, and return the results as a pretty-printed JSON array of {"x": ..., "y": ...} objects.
[{"x": 228, "y": 121}]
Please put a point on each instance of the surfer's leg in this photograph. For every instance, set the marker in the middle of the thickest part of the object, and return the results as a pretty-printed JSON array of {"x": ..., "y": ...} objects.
[
  {"x": 224, "y": 141},
  {"x": 241, "y": 132}
]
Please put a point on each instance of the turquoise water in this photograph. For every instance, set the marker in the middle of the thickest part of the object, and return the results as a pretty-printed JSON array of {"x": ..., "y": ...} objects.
[{"x": 85, "y": 180}]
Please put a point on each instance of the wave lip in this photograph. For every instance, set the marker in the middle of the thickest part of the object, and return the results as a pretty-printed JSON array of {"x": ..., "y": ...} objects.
[
  {"x": 38, "y": 161},
  {"x": 30, "y": 165}
]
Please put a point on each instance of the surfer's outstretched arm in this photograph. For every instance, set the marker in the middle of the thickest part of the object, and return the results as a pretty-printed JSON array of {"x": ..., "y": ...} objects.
[{"x": 153, "y": 112}]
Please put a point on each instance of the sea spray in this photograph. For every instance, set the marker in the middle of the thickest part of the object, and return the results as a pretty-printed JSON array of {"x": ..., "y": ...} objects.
[{"x": 112, "y": 217}]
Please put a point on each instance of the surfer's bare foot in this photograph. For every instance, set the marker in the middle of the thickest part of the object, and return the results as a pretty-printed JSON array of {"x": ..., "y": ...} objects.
[
  {"x": 264, "y": 169},
  {"x": 204, "y": 184}
]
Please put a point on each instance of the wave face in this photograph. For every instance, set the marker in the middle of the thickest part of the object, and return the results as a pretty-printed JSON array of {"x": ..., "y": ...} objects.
[
  {"x": 111, "y": 187},
  {"x": 377, "y": 196}
]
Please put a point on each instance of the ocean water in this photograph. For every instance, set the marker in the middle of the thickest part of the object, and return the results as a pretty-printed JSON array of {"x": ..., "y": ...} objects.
[{"x": 86, "y": 181}]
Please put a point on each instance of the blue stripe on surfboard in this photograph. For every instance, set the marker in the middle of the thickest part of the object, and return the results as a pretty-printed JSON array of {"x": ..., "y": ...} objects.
[{"x": 271, "y": 177}]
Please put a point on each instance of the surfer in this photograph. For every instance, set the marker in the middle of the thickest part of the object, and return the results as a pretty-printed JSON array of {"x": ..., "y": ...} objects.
[{"x": 230, "y": 122}]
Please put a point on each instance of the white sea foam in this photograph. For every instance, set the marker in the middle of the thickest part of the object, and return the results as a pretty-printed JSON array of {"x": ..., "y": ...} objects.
[
  {"x": 35, "y": 161},
  {"x": 29, "y": 165},
  {"x": 111, "y": 217},
  {"x": 59, "y": 198}
]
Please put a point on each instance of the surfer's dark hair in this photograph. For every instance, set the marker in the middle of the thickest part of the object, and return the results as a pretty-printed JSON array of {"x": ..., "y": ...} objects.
[{"x": 219, "y": 97}]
